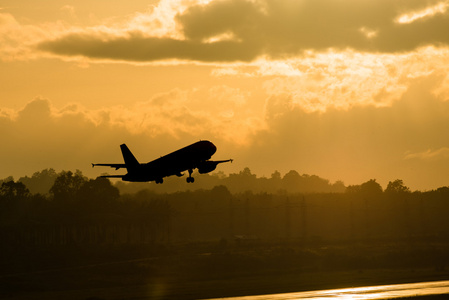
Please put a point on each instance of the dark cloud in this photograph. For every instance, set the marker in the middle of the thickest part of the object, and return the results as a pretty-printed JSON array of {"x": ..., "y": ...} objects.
[
  {"x": 139, "y": 48},
  {"x": 290, "y": 26},
  {"x": 273, "y": 28}
]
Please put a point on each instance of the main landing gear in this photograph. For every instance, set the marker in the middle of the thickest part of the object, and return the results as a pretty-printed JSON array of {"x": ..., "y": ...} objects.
[
  {"x": 159, "y": 181},
  {"x": 190, "y": 179}
]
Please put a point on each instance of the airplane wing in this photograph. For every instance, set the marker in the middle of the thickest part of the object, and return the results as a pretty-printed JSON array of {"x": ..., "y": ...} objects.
[
  {"x": 115, "y": 166},
  {"x": 222, "y": 161},
  {"x": 209, "y": 165}
]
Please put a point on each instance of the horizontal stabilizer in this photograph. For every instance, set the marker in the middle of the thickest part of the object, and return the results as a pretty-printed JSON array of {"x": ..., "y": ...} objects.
[
  {"x": 111, "y": 176},
  {"x": 115, "y": 166}
]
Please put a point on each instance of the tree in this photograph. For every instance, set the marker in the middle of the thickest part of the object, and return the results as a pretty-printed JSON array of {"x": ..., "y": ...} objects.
[
  {"x": 246, "y": 173},
  {"x": 41, "y": 182},
  {"x": 67, "y": 185},
  {"x": 371, "y": 187},
  {"x": 7, "y": 179},
  {"x": 338, "y": 187},
  {"x": 98, "y": 194},
  {"x": 353, "y": 189},
  {"x": 13, "y": 201},
  {"x": 220, "y": 192},
  {"x": 397, "y": 186},
  {"x": 291, "y": 181},
  {"x": 276, "y": 175},
  {"x": 13, "y": 190}
]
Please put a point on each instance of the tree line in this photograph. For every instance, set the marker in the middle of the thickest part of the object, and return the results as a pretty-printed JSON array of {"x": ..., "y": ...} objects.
[
  {"x": 291, "y": 182},
  {"x": 73, "y": 209},
  {"x": 78, "y": 210}
]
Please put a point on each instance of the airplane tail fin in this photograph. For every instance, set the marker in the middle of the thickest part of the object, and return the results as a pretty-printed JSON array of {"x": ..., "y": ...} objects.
[{"x": 130, "y": 161}]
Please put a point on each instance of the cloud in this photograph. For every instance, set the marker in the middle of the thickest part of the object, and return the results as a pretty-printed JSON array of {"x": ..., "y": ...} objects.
[
  {"x": 236, "y": 30},
  {"x": 342, "y": 80},
  {"x": 17, "y": 40},
  {"x": 437, "y": 154},
  {"x": 428, "y": 12},
  {"x": 138, "y": 48},
  {"x": 218, "y": 111},
  {"x": 40, "y": 136},
  {"x": 361, "y": 142},
  {"x": 353, "y": 145}
]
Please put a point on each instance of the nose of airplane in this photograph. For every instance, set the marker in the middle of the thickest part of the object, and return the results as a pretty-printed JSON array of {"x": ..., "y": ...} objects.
[{"x": 212, "y": 148}]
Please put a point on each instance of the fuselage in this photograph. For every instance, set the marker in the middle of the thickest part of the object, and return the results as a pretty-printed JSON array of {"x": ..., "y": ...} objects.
[
  {"x": 194, "y": 156},
  {"x": 186, "y": 158}
]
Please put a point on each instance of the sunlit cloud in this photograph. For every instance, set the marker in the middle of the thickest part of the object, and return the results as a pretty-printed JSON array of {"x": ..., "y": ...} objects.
[
  {"x": 219, "y": 111},
  {"x": 368, "y": 33},
  {"x": 347, "y": 79},
  {"x": 427, "y": 12},
  {"x": 227, "y": 36},
  {"x": 429, "y": 154},
  {"x": 216, "y": 111},
  {"x": 17, "y": 41}
]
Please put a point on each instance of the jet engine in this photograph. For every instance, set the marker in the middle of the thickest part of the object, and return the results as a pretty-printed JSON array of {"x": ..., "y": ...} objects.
[{"x": 207, "y": 166}]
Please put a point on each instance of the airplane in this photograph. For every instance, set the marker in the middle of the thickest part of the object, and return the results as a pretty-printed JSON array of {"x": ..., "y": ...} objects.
[{"x": 194, "y": 156}]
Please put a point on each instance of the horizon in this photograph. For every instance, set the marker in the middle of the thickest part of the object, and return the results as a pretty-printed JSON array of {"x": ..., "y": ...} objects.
[
  {"x": 363, "y": 95},
  {"x": 176, "y": 184}
]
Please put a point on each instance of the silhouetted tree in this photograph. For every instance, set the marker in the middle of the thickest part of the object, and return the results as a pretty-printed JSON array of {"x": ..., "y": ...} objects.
[
  {"x": 368, "y": 190},
  {"x": 242, "y": 181},
  {"x": 13, "y": 190},
  {"x": 276, "y": 175},
  {"x": 13, "y": 198},
  {"x": 443, "y": 190},
  {"x": 353, "y": 189},
  {"x": 338, "y": 187},
  {"x": 221, "y": 192},
  {"x": 98, "y": 194},
  {"x": 291, "y": 181},
  {"x": 67, "y": 185},
  {"x": 40, "y": 182},
  {"x": 396, "y": 186},
  {"x": 371, "y": 187},
  {"x": 7, "y": 179}
]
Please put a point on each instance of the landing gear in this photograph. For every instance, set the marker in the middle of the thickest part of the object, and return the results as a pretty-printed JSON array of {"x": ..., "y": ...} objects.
[
  {"x": 159, "y": 180},
  {"x": 190, "y": 179}
]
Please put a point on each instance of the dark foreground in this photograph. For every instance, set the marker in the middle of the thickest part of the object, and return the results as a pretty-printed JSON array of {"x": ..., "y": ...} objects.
[{"x": 214, "y": 269}]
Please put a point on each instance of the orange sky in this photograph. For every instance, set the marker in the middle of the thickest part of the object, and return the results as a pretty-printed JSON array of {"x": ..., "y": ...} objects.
[{"x": 347, "y": 90}]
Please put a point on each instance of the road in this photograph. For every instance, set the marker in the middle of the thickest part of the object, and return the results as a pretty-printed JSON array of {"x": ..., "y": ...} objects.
[{"x": 359, "y": 293}]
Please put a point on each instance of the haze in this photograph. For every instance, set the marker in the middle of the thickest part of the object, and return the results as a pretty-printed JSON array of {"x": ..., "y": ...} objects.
[{"x": 347, "y": 90}]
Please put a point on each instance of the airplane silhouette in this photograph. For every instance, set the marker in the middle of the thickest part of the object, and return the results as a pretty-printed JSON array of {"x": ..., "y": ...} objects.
[{"x": 194, "y": 156}]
